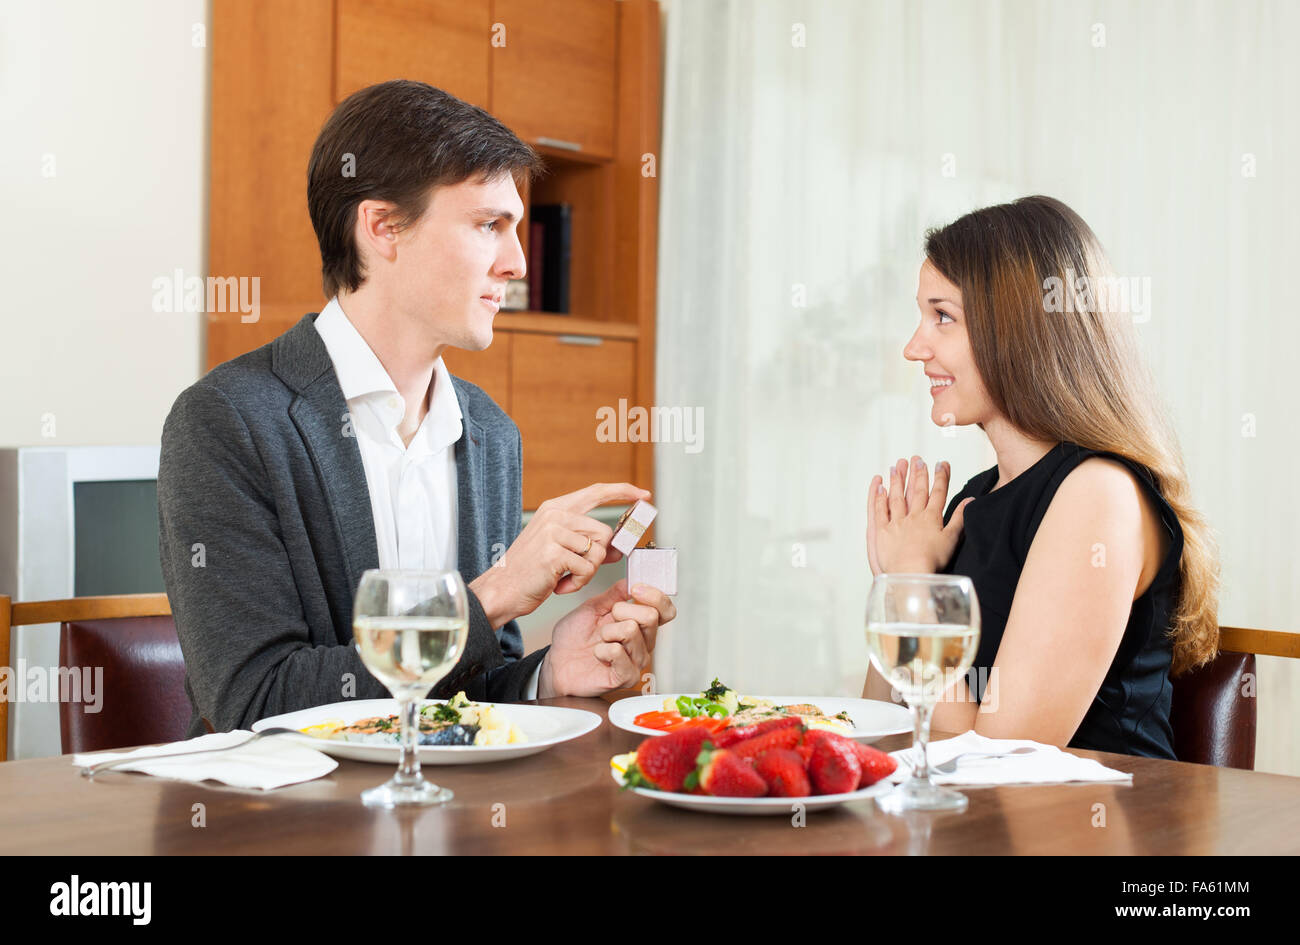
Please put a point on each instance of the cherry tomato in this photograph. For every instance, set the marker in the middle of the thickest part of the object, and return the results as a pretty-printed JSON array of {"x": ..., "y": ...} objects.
[{"x": 659, "y": 721}]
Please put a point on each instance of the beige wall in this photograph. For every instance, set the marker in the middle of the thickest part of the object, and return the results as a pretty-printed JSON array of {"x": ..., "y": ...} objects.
[{"x": 104, "y": 110}]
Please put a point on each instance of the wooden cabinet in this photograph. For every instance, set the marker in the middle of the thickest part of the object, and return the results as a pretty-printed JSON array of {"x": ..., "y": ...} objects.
[
  {"x": 555, "y": 77},
  {"x": 558, "y": 383},
  {"x": 548, "y": 70},
  {"x": 442, "y": 42},
  {"x": 257, "y": 212},
  {"x": 489, "y": 369}
]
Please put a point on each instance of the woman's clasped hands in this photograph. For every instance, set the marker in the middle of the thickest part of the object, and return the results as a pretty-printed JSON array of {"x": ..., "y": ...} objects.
[{"x": 905, "y": 530}]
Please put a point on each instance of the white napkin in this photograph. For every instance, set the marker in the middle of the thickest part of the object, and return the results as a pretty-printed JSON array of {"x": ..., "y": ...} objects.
[
  {"x": 1046, "y": 765},
  {"x": 267, "y": 763}
]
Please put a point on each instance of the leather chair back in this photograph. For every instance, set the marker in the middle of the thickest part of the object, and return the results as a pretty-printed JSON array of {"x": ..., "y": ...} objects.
[
  {"x": 1213, "y": 721},
  {"x": 142, "y": 694}
]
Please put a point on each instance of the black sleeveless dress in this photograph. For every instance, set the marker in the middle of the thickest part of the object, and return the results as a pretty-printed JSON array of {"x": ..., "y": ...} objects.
[{"x": 1130, "y": 713}]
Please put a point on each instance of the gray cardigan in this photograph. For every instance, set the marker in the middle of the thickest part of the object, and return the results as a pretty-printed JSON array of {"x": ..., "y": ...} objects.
[{"x": 265, "y": 527}]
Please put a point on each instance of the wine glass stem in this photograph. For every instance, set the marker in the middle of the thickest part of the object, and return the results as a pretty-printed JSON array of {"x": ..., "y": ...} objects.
[
  {"x": 408, "y": 769},
  {"x": 921, "y": 714}
]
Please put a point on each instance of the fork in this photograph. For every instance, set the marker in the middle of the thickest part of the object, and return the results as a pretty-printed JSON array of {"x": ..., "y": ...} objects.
[
  {"x": 90, "y": 771},
  {"x": 949, "y": 766}
]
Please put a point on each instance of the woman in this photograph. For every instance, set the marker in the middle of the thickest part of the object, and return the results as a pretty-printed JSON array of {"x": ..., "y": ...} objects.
[{"x": 1096, "y": 577}]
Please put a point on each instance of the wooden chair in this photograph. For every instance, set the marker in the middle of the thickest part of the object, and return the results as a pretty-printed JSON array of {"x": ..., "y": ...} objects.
[
  {"x": 133, "y": 638},
  {"x": 1213, "y": 713}
]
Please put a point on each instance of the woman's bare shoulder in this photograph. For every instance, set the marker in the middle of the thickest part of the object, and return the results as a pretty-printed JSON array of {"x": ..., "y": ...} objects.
[{"x": 1105, "y": 493}]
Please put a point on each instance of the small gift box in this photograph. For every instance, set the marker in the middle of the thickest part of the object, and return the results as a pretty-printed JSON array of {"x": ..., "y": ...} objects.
[
  {"x": 631, "y": 527},
  {"x": 656, "y": 567}
]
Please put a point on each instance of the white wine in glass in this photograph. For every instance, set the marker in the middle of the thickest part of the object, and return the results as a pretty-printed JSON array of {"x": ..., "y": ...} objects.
[
  {"x": 410, "y": 628},
  {"x": 923, "y": 631},
  {"x": 409, "y": 652}
]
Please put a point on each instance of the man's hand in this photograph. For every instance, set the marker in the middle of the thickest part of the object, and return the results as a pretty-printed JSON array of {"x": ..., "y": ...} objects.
[
  {"x": 604, "y": 643},
  {"x": 558, "y": 552},
  {"x": 905, "y": 530}
]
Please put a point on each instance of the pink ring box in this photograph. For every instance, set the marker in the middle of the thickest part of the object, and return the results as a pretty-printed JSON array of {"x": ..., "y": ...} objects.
[{"x": 656, "y": 567}]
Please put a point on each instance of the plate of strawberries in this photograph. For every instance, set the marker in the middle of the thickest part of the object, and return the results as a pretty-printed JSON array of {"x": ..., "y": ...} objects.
[{"x": 758, "y": 769}]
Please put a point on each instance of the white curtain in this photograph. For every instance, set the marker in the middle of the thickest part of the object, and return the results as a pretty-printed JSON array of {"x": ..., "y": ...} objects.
[{"x": 806, "y": 148}]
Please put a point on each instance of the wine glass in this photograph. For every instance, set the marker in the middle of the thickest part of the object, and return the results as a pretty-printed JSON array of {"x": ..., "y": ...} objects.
[
  {"x": 410, "y": 628},
  {"x": 922, "y": 634}
]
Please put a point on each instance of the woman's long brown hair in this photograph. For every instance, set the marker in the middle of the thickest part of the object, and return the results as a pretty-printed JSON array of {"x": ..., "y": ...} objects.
[{"x": 1072, "y": 372}]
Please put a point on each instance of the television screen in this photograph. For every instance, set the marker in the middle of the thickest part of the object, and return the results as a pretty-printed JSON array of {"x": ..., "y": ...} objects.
[{"x": 115, "y": 538}]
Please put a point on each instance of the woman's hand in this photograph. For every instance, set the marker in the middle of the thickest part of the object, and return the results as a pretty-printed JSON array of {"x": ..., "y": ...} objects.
[{"x": 905, "y": 530}]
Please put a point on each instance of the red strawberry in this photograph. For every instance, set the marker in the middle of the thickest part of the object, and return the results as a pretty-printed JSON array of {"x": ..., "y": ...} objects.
[
  {"x": 782, "y": 770},
  {"x": 815, "y": 735},
  {"x": 834, "y": 767},
  {"x": 730, "y": 736},
  {"x": 810, "y": 740},
  {"x": 723, "y": 774},
  {"x": 876, "y": 764},
  {"x": 665, "y": 760},
  {"x": 751, "y": 748}
]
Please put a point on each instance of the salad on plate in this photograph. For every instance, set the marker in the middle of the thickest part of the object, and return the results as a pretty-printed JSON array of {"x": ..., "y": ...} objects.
[{"x": 720, "y": 707}]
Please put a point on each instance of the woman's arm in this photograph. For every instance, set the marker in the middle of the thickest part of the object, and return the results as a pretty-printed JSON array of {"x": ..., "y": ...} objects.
[
  {"x": 876, "y": 686},
  {"x": 1090, "y": 554}
]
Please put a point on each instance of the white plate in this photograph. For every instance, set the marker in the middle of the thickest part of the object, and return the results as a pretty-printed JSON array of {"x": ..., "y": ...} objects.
[
  {"x": 755, "y": 805},
  {"x": 872, "y": 720},
  {"x": 544, "y": 726}
]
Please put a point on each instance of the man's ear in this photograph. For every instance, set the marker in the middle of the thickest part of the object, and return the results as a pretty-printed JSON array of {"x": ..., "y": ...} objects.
[{"x": 375, "y": 230}]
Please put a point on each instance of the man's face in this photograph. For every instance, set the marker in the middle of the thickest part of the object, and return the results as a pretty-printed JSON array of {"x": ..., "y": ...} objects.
[
  {"x": 942, "y": 346},
  {"x": 453, "y": 264}
]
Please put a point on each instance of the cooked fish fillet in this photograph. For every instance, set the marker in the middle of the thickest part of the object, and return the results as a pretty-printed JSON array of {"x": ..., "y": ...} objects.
[
  {"x": 383, "y": 724},
  {"x": 804, "y": 709}
]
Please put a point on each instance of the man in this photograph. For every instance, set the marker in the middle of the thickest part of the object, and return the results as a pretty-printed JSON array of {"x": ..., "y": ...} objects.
[{"x": 344, "y": 445}]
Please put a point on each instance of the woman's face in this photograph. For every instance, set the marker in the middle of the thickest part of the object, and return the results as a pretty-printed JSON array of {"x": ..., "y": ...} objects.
[{"x": 942, "y": 346}]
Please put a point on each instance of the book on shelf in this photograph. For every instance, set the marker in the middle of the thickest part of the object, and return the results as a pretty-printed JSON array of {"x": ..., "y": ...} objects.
[
  {"x": 536, "y": 246},
  {"x": 550, "y": 238}
]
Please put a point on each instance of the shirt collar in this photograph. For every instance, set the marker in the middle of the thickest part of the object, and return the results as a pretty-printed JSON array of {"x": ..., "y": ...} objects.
[
  {"x": 360, "y": 372},
  {"x": 443, "y": 420},
  {"x": 356, "y": 364}
]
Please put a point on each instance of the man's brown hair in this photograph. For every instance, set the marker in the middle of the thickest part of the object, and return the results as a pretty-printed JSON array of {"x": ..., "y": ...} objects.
[{"x": 396, "y": 141}]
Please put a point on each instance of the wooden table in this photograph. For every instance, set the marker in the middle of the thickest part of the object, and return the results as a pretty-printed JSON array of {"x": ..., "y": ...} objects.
[{"x": 564, "y": 801}]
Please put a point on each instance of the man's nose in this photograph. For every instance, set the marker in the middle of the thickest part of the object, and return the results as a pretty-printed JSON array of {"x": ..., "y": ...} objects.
[{"x": 511, "y": 262}]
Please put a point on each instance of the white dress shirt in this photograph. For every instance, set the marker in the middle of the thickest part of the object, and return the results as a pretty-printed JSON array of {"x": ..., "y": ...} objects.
[{"x": 412, "y": 488}]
